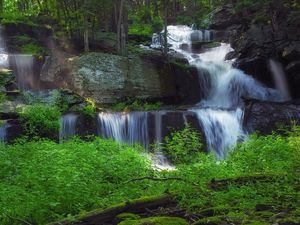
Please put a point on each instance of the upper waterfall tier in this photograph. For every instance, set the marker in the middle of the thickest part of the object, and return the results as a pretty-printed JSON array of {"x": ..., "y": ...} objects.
[{"x": 220, "y": 111}]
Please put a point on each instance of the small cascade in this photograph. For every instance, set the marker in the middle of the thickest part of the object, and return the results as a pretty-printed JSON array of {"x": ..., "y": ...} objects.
[
  {"x": 67, "y": 126},
  {"x": 280, "y": 79},
  {"x": 131, "y": 128},
  {"x": 220, "y": 112},
  {"x": 3, "y": 131},
  {"x": 3, "y": 54},
  {"x": 223, "y": 128},
  {"x": 23, "y": 65},
  {"x": 178, "y": 35},
  {"x": 158, "y": 126}
]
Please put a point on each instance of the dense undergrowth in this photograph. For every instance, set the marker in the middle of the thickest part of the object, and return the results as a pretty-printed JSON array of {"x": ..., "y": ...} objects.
[{"x": 42, "y": 181}]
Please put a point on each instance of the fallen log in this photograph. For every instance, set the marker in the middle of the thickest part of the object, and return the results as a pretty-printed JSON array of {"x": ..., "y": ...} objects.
[{"x": 103, "y": 217}]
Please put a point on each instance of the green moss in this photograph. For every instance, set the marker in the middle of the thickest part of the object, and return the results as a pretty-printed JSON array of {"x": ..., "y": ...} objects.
[
  {"x": 156, "y": 221},
  {"x": 126, "y": 216},
  {"x": 213, "y": 220},
  {"x": 119, "y": 207},
  {"x": 27, "y": 45},
  {"x": 264, "y": 214},
  {"x": 236, "y": 216},
  {"x": 136, "y": 105},
  {"x": 256, "y": 223}
]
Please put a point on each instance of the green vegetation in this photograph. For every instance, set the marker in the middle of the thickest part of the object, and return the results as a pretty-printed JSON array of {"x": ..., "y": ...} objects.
[
  {"x": 259, "y": 178},
  {"x": 40, "y": 120},
  {"x": 183, "y": 146},
  {"x": 26, "y": 45},
  {"x": 156, "y": 221},
  {"x": 136, "y": 105}
]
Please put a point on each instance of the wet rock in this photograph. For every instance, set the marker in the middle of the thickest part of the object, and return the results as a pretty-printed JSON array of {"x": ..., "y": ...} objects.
[
  {"x": 224, "y": 17},
  {"x": 231, "y": 55},
  {"x": 258, "y": 37},
  {"x": 265, "y": 117},
  {"x": 293, "y": 71},
  {"x": 13, "y": 131},
  {"x": 257, "y": 67}
]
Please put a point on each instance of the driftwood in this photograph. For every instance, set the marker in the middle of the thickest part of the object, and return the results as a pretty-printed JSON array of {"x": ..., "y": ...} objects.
[{"x": 103, "y": 217}]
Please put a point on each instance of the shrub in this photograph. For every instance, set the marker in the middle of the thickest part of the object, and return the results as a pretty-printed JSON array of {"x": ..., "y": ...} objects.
[
  {"x": 42, "y": 181},
  {"x": 40, "y": 120},
  {"x": 183, "y": 145}
]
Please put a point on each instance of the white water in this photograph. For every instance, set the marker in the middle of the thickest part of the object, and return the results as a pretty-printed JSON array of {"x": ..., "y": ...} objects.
[
  {"x": 3, "y": 54},
  {"x": 67, "y": 126},
  {"x": 23, "y": 66},
  {"x": 220, "y": 113},
  {"x": 131, "y": 128}
]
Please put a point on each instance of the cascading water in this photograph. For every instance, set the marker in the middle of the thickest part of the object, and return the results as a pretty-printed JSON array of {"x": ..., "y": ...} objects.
[
  {"x": 131, "y": 128},
  {"x": 280, "y": 79},
  {"x": 23, "y": 65},
  {"x": 67, "y": 126},
  {"x": 3, "y": 131},
  {"x": 3, "y": 54},
  {"x": 220, "y": 112}
]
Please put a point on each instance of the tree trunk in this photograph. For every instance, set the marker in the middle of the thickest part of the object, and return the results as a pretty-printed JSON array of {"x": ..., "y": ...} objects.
[
  {"x": 86, "y": 29},
  {"x": 122, "y": 28}
]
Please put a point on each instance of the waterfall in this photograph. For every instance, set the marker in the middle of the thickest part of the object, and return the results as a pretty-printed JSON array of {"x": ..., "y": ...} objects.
[
  {"x": 3, "y": 54},
  {"x": 280, "y": 79},
  {"x": 3, "y": 131},
  {"x": 67, "y": 126},
  {"x": 131, "y": 128},
  {"x": 23, "y": 65},
  {"x": 220, "y": 112}
]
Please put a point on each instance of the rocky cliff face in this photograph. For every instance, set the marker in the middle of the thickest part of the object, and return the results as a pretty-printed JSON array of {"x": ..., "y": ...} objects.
[{"x": 260, "y": 33}]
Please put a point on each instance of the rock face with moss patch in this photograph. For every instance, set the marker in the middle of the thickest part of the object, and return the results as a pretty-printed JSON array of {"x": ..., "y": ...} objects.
[{"x": 108, "y": 78}]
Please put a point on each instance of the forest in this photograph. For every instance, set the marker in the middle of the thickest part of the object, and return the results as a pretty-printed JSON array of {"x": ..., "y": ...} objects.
[{"x": 149, "y": 112}]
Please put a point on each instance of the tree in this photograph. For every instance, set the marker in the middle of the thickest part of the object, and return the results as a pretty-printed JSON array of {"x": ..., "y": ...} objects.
[{"x": 122, "y": 27}]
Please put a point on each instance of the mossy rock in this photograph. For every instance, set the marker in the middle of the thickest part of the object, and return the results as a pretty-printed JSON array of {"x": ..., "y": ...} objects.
[
  {"x": 156, "y": 221},
  {"x": 236, "y": 216},
  {"x": 213, "y": 220},
  {"x": 126, "y": 216},
  {"x": 256, "y": 223},
  {"x": 264, "y": 214}
]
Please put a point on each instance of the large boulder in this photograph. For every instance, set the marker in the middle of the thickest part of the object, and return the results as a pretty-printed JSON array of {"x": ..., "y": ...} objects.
[{"x": 108, "y": 78}]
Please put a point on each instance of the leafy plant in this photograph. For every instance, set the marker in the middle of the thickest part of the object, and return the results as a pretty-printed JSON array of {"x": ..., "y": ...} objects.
[
  {"x": 40, "y": 120},
  {"x": 184, "y": 145}
]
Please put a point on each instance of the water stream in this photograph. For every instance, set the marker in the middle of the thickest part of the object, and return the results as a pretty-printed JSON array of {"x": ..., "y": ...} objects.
[
  {"x": 67, "y": 126},
  {"x": 220, "y": 112}
]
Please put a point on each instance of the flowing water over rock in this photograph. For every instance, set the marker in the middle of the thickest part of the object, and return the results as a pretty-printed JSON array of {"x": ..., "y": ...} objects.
[
  {"x": 280, "y": 79},
  {"x": 220, "y": 112},
  {"x": 3, "y": 131},
  {"x": 3, "y": 54},
  {"x": 67, "y": 126},
  {"x": 131, "y": 128}
]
